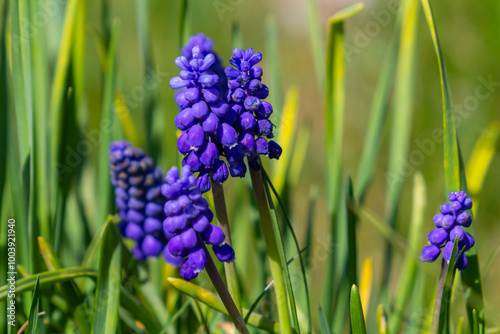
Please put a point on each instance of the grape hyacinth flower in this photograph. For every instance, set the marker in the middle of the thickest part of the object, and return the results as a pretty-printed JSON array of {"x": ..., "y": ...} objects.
[
  {"x": 137, "y": 185},
  {"x": 188, "y": 220},
  {"x": 450, "y": 223},
  {"x": 204, "y": 119},
  {"x": 245, "y": 94},
  {"x": 206, "y": 46}
]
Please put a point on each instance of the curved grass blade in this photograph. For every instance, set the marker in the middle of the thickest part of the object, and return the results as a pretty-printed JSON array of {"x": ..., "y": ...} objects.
[
  {"x": 104, "y": 185},
  {"x": 49, "y": 278},
  {"x": 357, "y": 318},
  {"x": 409, "y": 271},
  {"x": 33, "y": 324},
  {"x": 107, "y": 296},
  {"x": 334, "y": 120},
  {"x": 455, "y": 176},
  {"x": 286, "y": 134},
  {"x": 294, "y": 237},
  {"x": 323, "y": 323},
  {"x": 211, "y": 300}
]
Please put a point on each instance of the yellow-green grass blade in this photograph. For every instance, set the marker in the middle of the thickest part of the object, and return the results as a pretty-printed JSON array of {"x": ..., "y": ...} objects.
[
  {"x": 299, "y": 154},
  {"x": 286, "y": 135},
  {"x": 213, "y": 301},
  {"x": 334, "y": 124},
  {"x": 378, "y": 111},
  {"x": 78, "y": 52},
  {"x": 107, "y": 296},
  {"x": 401, "y": 121},
  {"x": 357, "y": 318},
  {"x": 481, "y": 158},
  {"x": 272, "y": 56},
  {"x": 455, "y": 176},
  {"x": 49, "y": 278},
  {"x": 128, "y": 125},
  {"x": 297, "y": 247},
  {"x": 236, "y": 36},
  {"x": 4, "y": 119},
  {"x": 183, "y": 22},
  {"x": 316, "y": 39},
  {"x": 34, "y": 325},
  {"x": 381, "y": 320},
  {"x": 408, "y": 275},
  {"x": 104, "y": 184}
]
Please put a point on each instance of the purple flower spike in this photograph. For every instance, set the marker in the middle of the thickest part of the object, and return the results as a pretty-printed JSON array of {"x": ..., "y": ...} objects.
[
  {"x": 188, "y": 219},
  {"x": 450, "y": 223},
  {"x": 137, "y": 183}
]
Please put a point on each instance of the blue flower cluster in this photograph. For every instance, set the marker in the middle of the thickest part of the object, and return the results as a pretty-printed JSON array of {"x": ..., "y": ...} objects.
[
  {"x": 137, "y": 184},
  {"x": 245, "y": 94},
  {"x": 188, "y": 222},
  {"x": 450, "y": 222},
  {"x": 205, "y": 118}
]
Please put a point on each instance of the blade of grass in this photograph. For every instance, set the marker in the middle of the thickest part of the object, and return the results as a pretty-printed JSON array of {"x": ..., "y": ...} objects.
[
  {"x": 378, "y": 112},
  {"x": 104, "y": 185},
  {"x": 334, "y": 120},
  {"x": 211, "y": 300},
  {"x": 316, "y": 39},
  {"x": 381, "y": 320},
  {"x": 323, "y": 323},
  {"x": 455, "y": 175},
  {"x": 139, "y": 312},
  {"x": 128, "y": 125},
  {"x": 272, "y": 55},
  {"x": 365, "y": 283},
  {"x": 49, "y": 278},
  {"x": 183, "y": 22},
  {"x": 4, "y": 120},
  {"x": 409, "y": 270},
  {"x": 404, "y": 96},
  {"x": 107, "y": 295},
  {"x": 357, "y": 318},
  {"x": 294, "y": 237},
  {"x": 299, "y": 156},
  {"x": 286, "y": 135},
  {"x": 33, "y": 324}
]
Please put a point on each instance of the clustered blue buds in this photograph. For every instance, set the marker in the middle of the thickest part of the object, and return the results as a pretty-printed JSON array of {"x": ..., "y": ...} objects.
[
  {"x": 188, "y": 223},
  {"x": 204, "y": 120},
  {"x": 137, "y": 184},
  {"x": 245, "y": 94},
  {"x": 450, "y": 222}
]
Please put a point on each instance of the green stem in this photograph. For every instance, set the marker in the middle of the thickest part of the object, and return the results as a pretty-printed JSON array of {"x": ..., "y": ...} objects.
[
  {"x": 439, "y": 296},
  {"x": 272, "y": 250},
  {"x": 223, "y": 222},
  {"x": 224, "y": 295}
]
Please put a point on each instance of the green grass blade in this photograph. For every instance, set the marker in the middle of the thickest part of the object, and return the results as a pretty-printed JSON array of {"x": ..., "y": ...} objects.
[
  {"x": 357, "y": 319},
  {"x": 139, "y": 312},
  {"x": 104, "y": 184},
  {"x": 294, "y": 237},
  {"x": 378, "y": 111},
  {"x": 352, "y": 258},
  {"x": 236, "y": 36},
  {"x": 49, "y": 278},
  {"x": 272, "y": 56},
  {"x": 409, "y": 271},
  {"x": 33, "y": 324},
  {"x": 404, "y": 96},
  {"x": 4, "y": 120},
  {"x": 323, "y": 323},
  {"x": 316, "y": 39},
  {"x": 381, "y": 320},
  {"x": 183, "y": 22},
  {"x": 334, "y": 120},
  {"x": 455, "y": 176},
  {"x": 107, "y": 296},
  {"x": 213, "y": 301}
]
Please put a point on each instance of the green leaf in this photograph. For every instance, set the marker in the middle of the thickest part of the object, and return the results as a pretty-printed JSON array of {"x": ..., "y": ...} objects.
[
  {"x": 183, "y": 22},
  {"x": 409, "y": 270},
  {"x": 455, "y": 176},
  {"x": 107, "y": 297},
  {"x": 33, "y": 326},
  {"x": 49, "y": 278},
  {"x": 272, "y": 41},
  {"x": 334, "y": 120},
  {"x": 139, "y": 312},
  {"x": 323, "y": 323},
  {"x": 316, "y": 39},
  {"x": 357, "y": 319},
  {"x": 104, "y": 184},
  {"x": 211, "y": 300}
]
